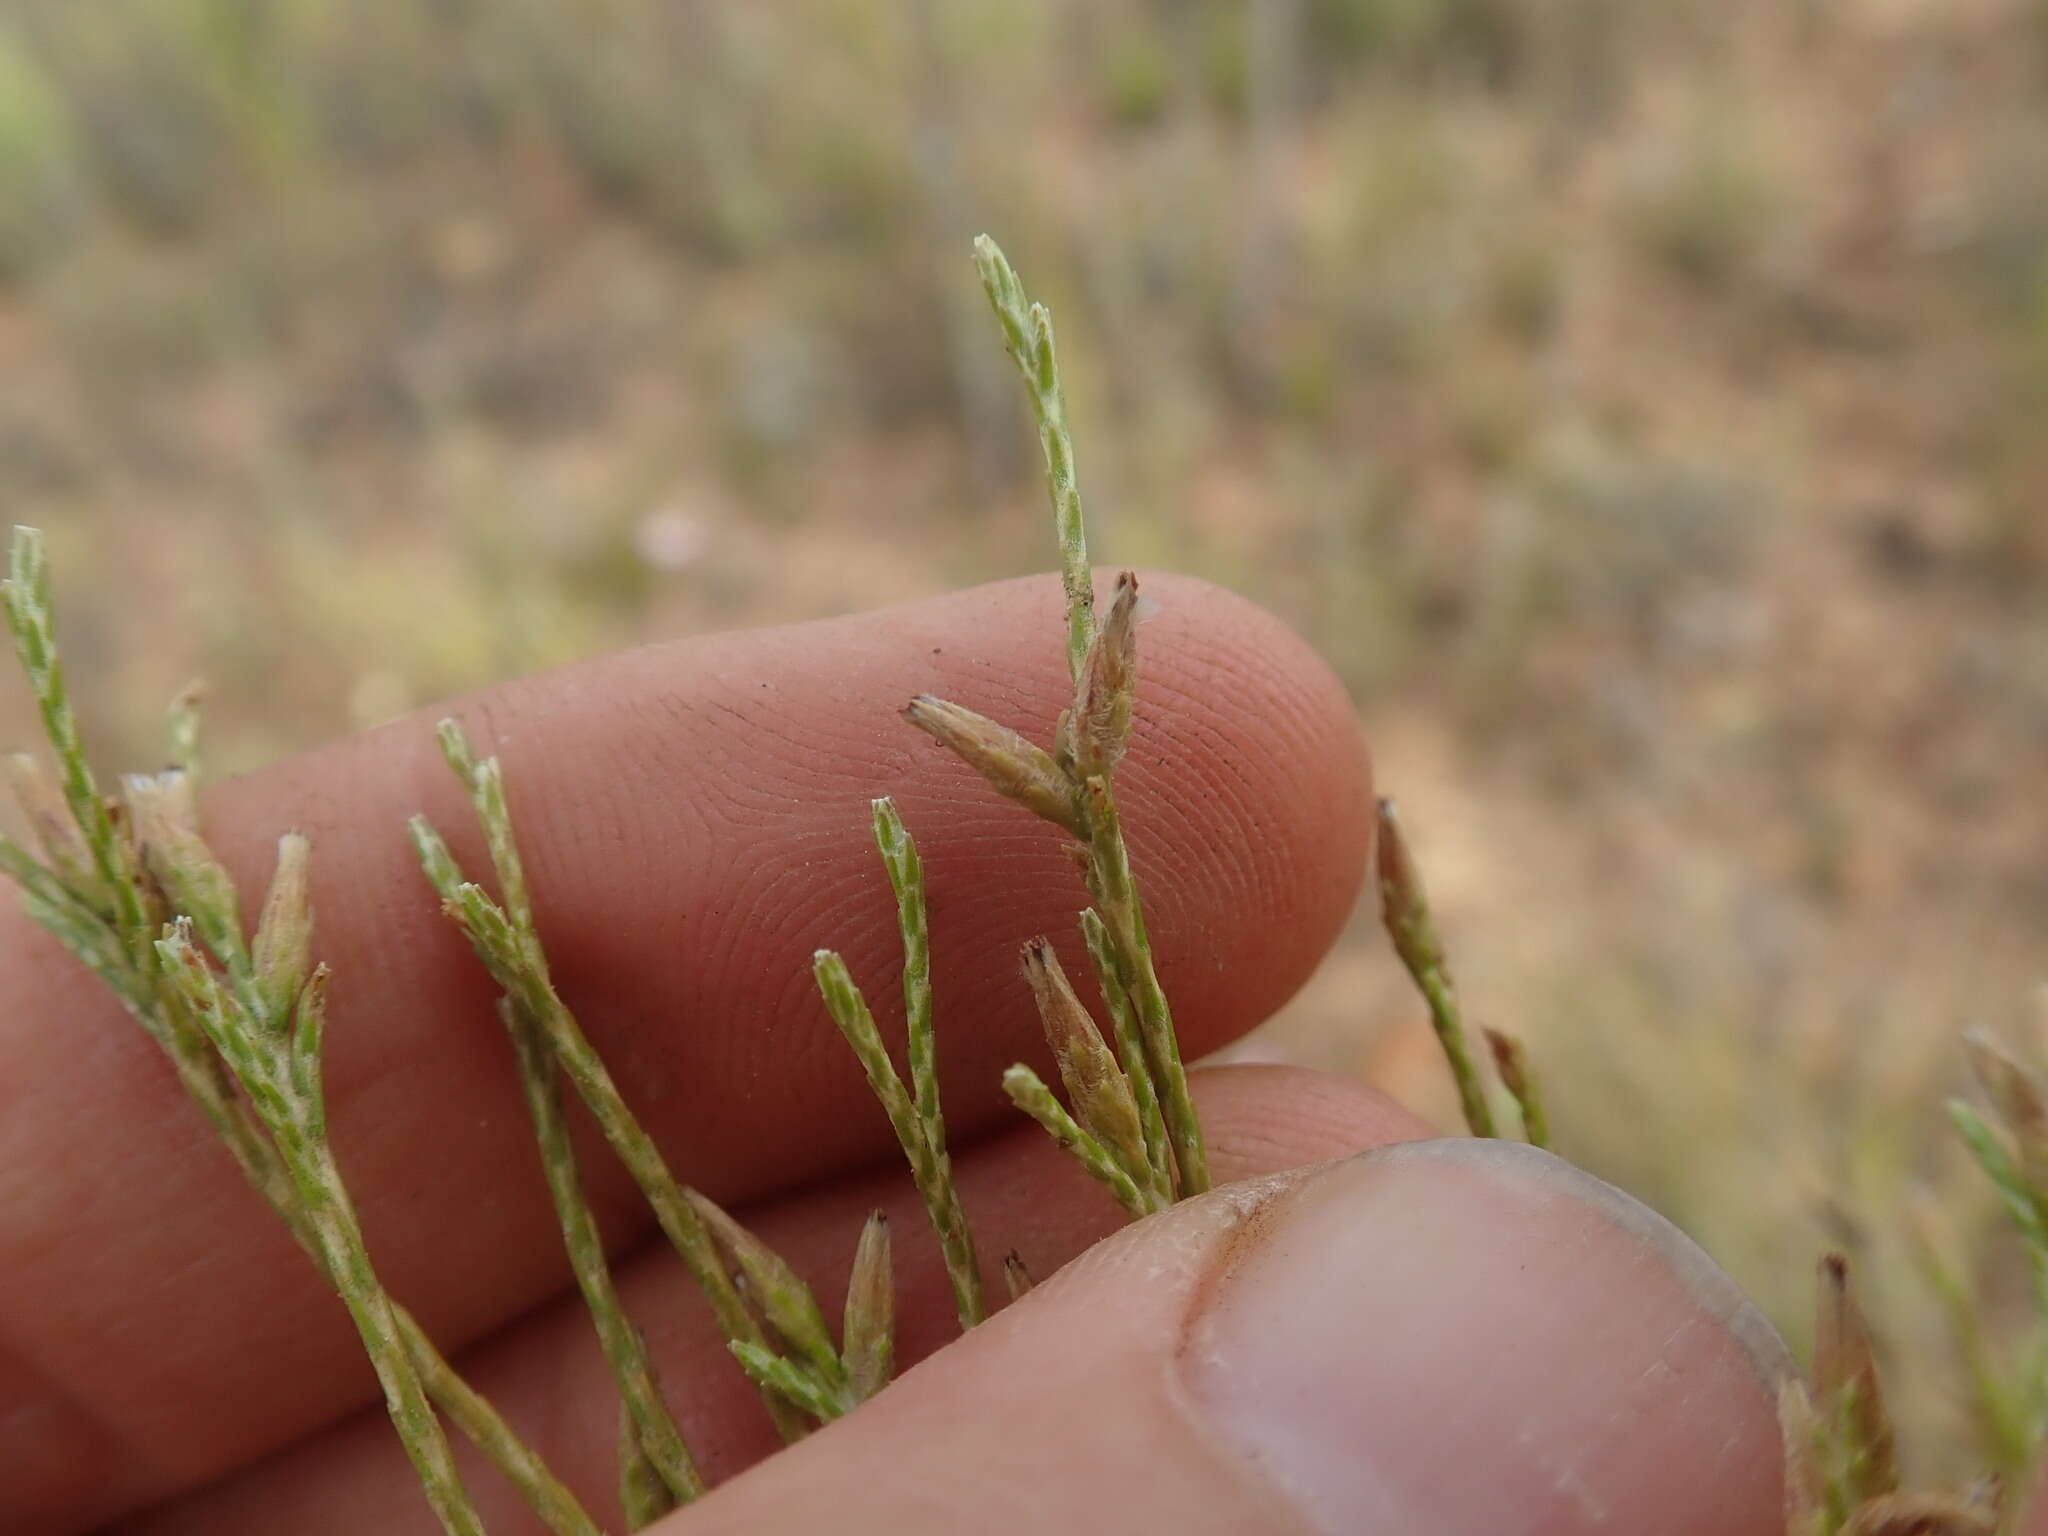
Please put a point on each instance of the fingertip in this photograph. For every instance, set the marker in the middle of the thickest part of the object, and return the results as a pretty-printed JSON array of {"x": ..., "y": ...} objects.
[
  {"x": 1474, "y": 1336},
  {"x": 1451, "y": 1336}
]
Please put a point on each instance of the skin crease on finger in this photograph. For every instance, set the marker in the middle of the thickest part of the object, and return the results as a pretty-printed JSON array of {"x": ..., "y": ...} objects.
[
  {"x": 695, "y": 820},
  {"x": 1020, "y": 1190}
]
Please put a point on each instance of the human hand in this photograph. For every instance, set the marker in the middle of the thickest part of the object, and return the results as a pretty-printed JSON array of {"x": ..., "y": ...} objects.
[{"x": 1440, "y": 1336}]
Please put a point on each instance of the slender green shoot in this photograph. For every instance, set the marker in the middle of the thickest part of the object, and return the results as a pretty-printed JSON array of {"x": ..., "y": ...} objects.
[
  {"x": 1404, "y": 910},
  {"x": 779, "y": 1377},
  {"x": 508, "y": 946},
  {"x": 1130, "y": 1046},
  {"x": 2024, "y": 1205},
  {"x": 1071, "y": 785},
  {"x": 1027, "y": 335},
  {"x": 654, "y": 1441},
  {"x": 778, "y": 1293},
  {"x": 276, "y": 1059},
  {"x": 644, "y": 1495},
  {"x": 931, "y": 1168},
  {"x": 25, "y": 598},
  {"x": 906, "y": 879},
  {"x": 1511, "y": 1061},
  {"x": 94, "y": 898},
  {"x": 1028, "y": 1092}
]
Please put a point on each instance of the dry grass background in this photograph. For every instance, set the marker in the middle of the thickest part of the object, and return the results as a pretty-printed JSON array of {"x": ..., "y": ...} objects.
[{"x": 1639, "y": 402}]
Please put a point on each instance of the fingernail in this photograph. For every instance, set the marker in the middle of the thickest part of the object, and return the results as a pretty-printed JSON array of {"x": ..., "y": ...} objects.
[{"x": 1474, "y": 1336}]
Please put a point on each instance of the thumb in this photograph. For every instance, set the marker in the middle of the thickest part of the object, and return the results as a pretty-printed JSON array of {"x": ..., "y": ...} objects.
[{"x": 1448, "y": 1336}]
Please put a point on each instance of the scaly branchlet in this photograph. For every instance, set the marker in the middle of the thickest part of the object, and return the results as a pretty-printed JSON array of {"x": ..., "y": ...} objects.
[
  {"x": 275, "y": 1056},
  {"x": 25, "y": 599},
  {"x": 644, "y": 1496},
  {"x": 1071, "y": 785},
  {"x": 2025, "y": 1204},
  {"x": 778, "y": 1294},
  {"x": 931, "y": 1167},
  {"x": 1511, "y": 1061},
  {"x": 783, "y": 1379},
  {"x": 1028, "y": 1092},
  {"x": 1115, "y": 889},
  {"x": 508, "y": 945},
  {"x": 1027, "y": 335},
  {"x": 654, "y": 1445},
  {"x": 95, "y": 898},
  {"x": 1130, "y": 1045},
  {"x": 1404, "y": 911}
]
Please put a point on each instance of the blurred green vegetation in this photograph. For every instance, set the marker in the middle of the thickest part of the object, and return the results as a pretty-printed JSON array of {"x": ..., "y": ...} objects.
[{"x": 1637, "y": 402}]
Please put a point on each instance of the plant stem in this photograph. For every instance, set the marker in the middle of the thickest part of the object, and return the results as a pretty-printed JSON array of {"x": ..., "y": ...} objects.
[
  {"x": 1511, "y": 1062},
  {"x": 508, "y": 947},
  {"x": 657, "y": 1439},
  {"x": 931, "y": 1171},
  {"x": 1404, "y": 911},
  {"x": 26, "y": 595},
  {"x": 643, "y": 1495},
  {"x": 466, "y": 1408},
  {"x": 1130, "y": 1047},
  {"x": 1027, "y": 333},
  {"x": 1028, "y": 1092},
  {"x": 632, "y": 1145},
  {"x": 906, "y": 879},
  {"x": 1116, "y": 895},
  {"x": 338, "y": 1239}
]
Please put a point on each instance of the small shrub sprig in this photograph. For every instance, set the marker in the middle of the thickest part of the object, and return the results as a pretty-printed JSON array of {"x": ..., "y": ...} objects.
[
  {"x": 132, "y": 889},
  {"x": 1072, "y": 786},
  {"x": 1411, "y": 928},
  {"x": 1842, "y": 1467}
]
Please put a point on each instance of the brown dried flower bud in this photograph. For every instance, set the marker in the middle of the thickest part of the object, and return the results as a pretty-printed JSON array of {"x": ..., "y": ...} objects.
[
  {"x": 284, "y": 935},
  {"x": 1845, "y": 1374},
  {"x": 1013, "y": 766},
  {"x": 1102, "y": 697},
  {"x": 1096, "y": 1086},
  {"x": 868, "y": 1327}
]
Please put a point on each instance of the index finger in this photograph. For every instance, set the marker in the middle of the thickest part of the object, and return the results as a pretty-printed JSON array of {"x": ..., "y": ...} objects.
[{"x": 695, "y": 824}]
